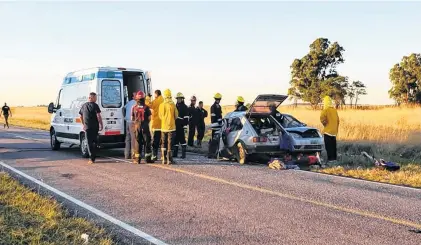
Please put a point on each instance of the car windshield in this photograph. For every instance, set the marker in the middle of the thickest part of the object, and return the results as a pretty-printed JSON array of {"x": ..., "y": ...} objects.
[{"x": 291, "y": 122}]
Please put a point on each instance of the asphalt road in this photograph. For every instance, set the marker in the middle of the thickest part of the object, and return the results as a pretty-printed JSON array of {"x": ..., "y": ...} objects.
[{"x": 202, "y": 201}]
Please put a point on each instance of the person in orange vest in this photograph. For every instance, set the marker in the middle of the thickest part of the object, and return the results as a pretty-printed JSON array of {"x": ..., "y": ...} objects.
[
  {"x": 167, "y": 113},
  {"x": 141, "y": 116}
]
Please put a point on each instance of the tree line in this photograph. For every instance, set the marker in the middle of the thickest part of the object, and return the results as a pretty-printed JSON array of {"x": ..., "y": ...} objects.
[{"x": 315, "y": 76}]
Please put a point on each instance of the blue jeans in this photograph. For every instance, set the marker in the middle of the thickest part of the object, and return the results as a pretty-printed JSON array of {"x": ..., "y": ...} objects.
[{"x": 128, "y": 150}]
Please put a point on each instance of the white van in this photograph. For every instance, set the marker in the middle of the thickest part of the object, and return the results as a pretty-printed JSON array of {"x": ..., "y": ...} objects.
[{"x": 113, "y": 87}]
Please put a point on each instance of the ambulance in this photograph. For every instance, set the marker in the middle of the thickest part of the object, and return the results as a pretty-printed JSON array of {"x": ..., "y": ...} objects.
[{"x": 113, "y": 86}]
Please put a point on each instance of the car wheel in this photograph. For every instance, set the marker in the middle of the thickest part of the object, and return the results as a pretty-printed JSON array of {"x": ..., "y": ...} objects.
[
  {"x": 84, "y": 146},
  {"x": 55, "y": 145},
  {"x": 241, "y": 154}
]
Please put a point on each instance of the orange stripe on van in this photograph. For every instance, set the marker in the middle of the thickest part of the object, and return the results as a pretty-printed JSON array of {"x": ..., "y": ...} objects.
[
  {"x": 112, "y": 133},
  {"x": 78, "y": 120}
]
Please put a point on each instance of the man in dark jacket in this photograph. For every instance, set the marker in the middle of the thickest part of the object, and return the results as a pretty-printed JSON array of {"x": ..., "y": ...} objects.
[
  {"x": 240, "y": 104},
  {"x": 181, "y": 126},
  {"x": 216, "y": 111},
  {"x": 201, "y": 115},
  {"x": 193, "y": 120}
]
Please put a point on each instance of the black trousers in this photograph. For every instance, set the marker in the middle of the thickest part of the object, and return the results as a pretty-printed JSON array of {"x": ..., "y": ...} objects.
[
  {"x": 192, "y": 131},
  {"x": 200, "y": 131},
  {"x": 180, "y": 137},
  {"x": 6, "y": 120},
  {"x": 330, "y": 144},
  {"x": 142, "y": 139},
  {"x": 156, "y": 140},
  {"x": 92, "y": 139}
]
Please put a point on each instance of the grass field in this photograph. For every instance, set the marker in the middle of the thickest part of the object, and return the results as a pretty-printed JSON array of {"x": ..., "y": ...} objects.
[
  {"x": 28, "y": 218},
  {"x": 392, "y": 133}
]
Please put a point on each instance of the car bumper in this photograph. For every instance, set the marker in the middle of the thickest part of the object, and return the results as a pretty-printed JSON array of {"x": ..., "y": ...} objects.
[
  {"x": 111, "y": 141},
  {"x": 257, "y": 149}
]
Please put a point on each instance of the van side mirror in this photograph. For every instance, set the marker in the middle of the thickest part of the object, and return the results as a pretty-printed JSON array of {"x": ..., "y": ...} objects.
[{"x": 51, "y": 108}]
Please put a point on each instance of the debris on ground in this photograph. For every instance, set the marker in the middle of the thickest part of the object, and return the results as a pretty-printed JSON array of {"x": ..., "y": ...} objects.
[
  {"x": 278, "y": 165},
  {"x": 381, "y": 163}
]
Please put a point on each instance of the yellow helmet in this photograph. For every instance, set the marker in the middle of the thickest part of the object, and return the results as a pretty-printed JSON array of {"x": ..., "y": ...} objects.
[
  {"x": 179, "y": 95},
  {"x": 167, "y": 93},
  {"x": 240, "y": 99},
  {"x": 217, "y": 96}
]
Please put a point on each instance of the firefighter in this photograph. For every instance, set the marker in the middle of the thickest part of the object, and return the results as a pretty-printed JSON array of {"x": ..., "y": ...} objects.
[
  {"x": 181, "y": 126},
  {"x": 167, "y": 113},
  {"x": 193, "y": 120},
  {"x": 239, "y": 106},
  {"x": 216, "y": 111},
  {"x": 156, "y": 122},
  {"x": 201, "y": 115},
  {"x": 141, "y": 116}
]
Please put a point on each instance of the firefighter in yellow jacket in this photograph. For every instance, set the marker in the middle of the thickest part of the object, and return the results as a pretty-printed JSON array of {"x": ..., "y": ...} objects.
[
  {"x": 330, "y": 120},
  {"x": 156, "y": 122},
  {"x": 167, "y": 113}
]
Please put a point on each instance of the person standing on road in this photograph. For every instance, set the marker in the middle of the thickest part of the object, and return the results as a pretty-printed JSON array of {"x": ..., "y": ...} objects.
[
  {"x": 5, "y": 110},
  {"x": 216, "y": 111},
  {"x": 240, "y": 104},
  {"x": 127, "y": 110},
  {"x": 330, "y": 120},
  {"x": 201, "y": 115},
  {"x": 181, "y": 126},
  {"x": 167, "y": 113},
  {"x": 141, "y": 116},
  {"x": 193, "y": 120},
  {"x": 156, "y": 123},
  {"x": 90, "y": 115}
]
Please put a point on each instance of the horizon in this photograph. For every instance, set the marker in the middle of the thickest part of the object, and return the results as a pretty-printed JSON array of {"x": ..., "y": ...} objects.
[{"x": 198, "y": 47}]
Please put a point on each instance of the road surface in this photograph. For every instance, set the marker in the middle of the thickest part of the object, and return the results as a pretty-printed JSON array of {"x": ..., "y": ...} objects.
[{"x": 202, "y": 201}]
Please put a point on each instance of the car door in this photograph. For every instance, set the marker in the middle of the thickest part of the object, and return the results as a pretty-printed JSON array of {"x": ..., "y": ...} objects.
[{"x": 236, "y": 130}]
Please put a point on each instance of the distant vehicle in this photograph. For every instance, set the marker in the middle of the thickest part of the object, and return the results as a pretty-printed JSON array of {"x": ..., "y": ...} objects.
[
  {"x": 256, "y": 134},
  {"x": 113, "y": 86}
]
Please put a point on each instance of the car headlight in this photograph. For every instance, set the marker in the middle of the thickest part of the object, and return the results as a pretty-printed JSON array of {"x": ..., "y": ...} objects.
[{"x": 295, "y": 135}]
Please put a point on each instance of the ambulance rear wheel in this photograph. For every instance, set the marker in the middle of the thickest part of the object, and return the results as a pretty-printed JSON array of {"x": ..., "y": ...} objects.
[
  {"x": 55, "y": 145},
  {"x": 84, "y": 146}
]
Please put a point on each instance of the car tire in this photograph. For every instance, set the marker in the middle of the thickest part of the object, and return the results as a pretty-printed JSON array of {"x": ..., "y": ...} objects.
[
  {"x": 84, "y": 146},
  {"x": 241, "y": 154},
  {"x": 55, "y": 145}
]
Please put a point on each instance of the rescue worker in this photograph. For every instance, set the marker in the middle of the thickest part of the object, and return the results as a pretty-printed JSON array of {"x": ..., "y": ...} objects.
[
  {"x": 156, "y": 122},
  {"x": 167, "y": 113},
  {"x": 181, "y": 126},
  {"x": 330, "y": 120},
  {"x": 239, "y": 106},
  {"x": 127, "y": 111},
  {"x": 193, "y": 121},
  {"x": 216, "y": 111},
  {"x": 141, "y": 116},
  {"x": 276, "y": 114},
  {"x": 201, "y": 115}
]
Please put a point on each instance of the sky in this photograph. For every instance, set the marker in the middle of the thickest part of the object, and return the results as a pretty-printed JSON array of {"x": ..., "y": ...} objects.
[{"x": 234, "y": 48}]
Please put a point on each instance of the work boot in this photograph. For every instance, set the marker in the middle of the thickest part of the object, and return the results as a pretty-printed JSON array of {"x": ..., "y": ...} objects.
[
  {"x": 175, "y": 151},
  {"x": 183, "y": 151},
  {"x": 149, "y": 158},
  {"x": 155, "y": 155},
  {"x": 170, "y": 159},
  {"x": 137, "y": 160},
  {"x": 199, "y": 143},
  {"x": 163, "y": 156}
]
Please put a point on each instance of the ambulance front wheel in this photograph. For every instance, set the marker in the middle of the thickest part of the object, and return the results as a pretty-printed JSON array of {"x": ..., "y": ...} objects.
[{"x": 55, "y": 145}]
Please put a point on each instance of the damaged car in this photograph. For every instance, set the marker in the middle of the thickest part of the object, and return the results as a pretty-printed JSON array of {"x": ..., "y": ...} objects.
[{"x": 262, "y": 132}]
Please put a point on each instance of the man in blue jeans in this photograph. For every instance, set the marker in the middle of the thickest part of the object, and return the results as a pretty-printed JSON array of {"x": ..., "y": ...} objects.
[{"x": 127, "y": 110}]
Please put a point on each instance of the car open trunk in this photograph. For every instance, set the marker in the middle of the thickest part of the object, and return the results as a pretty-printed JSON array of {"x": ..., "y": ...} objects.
[{"x": 265, "y": 126}]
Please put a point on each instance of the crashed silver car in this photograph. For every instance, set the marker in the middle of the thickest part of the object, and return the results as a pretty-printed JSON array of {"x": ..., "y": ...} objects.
[{"x": 263, "y": 132}]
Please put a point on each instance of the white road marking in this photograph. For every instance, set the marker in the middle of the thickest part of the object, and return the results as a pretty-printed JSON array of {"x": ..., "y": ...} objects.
[{"x": 103, "y": 215}]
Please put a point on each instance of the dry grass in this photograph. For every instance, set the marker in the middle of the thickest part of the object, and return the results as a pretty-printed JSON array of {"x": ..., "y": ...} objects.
[
  {"x": 408, "y": 175},
  {"x": 28, "y": 218},
  {"x": 32, "y": 117}
]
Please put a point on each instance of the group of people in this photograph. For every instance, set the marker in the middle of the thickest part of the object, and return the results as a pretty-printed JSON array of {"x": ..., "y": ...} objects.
[{"x": 169, "y": 123}]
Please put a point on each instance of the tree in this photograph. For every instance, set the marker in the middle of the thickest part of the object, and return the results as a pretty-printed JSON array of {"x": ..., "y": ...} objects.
[
  {"x": 315, "y": 73},
  {"x": 354, "y": 90},
  {"x": 406, "y": 80}
]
